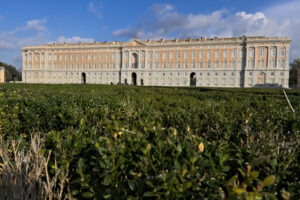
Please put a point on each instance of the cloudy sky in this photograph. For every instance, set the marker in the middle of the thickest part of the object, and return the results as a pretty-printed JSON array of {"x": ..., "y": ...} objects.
[{"x": 36, "y": 22}]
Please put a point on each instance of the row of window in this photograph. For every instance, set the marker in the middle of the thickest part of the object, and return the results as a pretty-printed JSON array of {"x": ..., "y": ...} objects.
[
  {"x": 72, "y": 57},
  {"x": 262, "y": 52},
  {"x": 262, "y": 63}
]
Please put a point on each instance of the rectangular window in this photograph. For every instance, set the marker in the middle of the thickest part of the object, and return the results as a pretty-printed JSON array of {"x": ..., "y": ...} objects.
[
  {"x": 216, "y": 81},
  {"x": 106, "y": 56},
  {"x": 185, "y": 55},
  {"x": 114, "y": 66},
  {"x": 77, "y": 56},
  {"x": 89, "y": 56},
  {"x": 216, "y": 64},
  {"x": 50, "y": 57},
  {"x": 95, "y": 56},
  {"x": 251, "y": 65},
  {"x": 164, "y": 55},
  {"x": 208, "y": 64},
  {"x": 251, "y": 52},
  {"x": 201, "y": 54},
  {"x": 171, "y": 55},
  {"x": 208, "y": 54},
  {"x": 164, "y": 65},
  {"x": 217, "y": 54},
  {"x": 262, "y": 52},
  {"x": 233, "y": 53},
  {"x": 71, "y": 58},
  {"x": 72, "y": 66},
  {"x": 185, "y": 65},
  {"x": 157, "y": 65},
  {"x": 282, "y": 52},
  {"x": 157, "y": 55},
  {"x": 171, "y": 65},
  {"x": 150, "y": 55},
  {"x": 261, "y": 63},
  {"x": 273, "y": 63},
  {"x": 194, "y": 65},
  {"x": 60, "y": 57},
  {"x": 113, "y": 56},
  {"x": 107, "y": 66},
  {"x": 282, "y": 63},
  {"x": 178, "y": 54},
  {"x": 66, "y": 57},
  {"x": 201, "y": 65},
  {"x": 225, "y": 54},
  {"x": 193, "y": 55},
  {"x": 241, "y": 53},
  {"x": 224, "y": 64},
  {"x": 151, "y": 65},
  {"x": 43, "y": 57},
  {"x": 273, "y": 52},
  {"x": 77, "y": 66},
  {"x": 232, "y": 64},
  {"x": 83, "y": 56},
  {"x": 178, "y": 65}
]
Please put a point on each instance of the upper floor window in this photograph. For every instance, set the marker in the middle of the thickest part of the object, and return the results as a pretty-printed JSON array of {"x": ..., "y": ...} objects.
[
  {"x": 106, "y": 56},
  {"x": 43, "y": 57},
  {"x": 157, "y": 55},
  {"x": 208, "y": 54},
  {"x": 262, "y": 52},
  {"x": 241, "y": 53},
  {"x": 143, "y": 55},
  {"x": 66, "y": 57},
  {"x": 49, "y": 57},
  {"x": 171, "y": 65},
  {"x": 89, "y": 56},
  {"x": 113, "y": 56},
  {"x": 193, "y": 55},
  {"x": 251, "y": 52},
  {"x": 178, "y": 54},
  {"x": 71, "y": 58},
  {"x": 201, "y": 54},
  {"x": 261, "y": 63},
  {"x": 273, "y": 52},
  {"x": 225, "y": 54},
  {"x": 185, "y": 55},
  {"x": 171, "y": 55},
  {"x": 60, "y": 57},
  {"x": 77, "y": 56},
  {"x": 95, "y": 56},
  {"x": 185, "y": 65},
  {"x": 282, "y": 52},
  {"x": 164, "y": 55},
  {"x": 217, "y": 54},
  {"x": 83, "y": 56},
  {"x": 233, "y": 52},
  {"x": 150, "y": 55},
  {"x": 126, "y": 56}
]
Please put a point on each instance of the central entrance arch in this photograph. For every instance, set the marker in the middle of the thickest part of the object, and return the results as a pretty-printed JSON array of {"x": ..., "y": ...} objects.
[
  {"x": 133, "y": 78},
  {"x": 193, "y": 79},
  {"x": 83, "y": 78}
]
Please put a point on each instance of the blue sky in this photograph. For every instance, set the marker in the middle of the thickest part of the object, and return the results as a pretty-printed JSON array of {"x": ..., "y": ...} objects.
[{"x": 35, "y": 22}]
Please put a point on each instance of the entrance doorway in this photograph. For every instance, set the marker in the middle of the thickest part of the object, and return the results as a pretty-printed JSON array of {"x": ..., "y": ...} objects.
[
  {"x": 193, "y": 79},
  {"x": 83, "y": 78},
  {"x": 133, "y": 78}
]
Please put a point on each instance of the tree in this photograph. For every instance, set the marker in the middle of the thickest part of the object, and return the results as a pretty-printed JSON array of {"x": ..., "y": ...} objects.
[
  {"x": 295, "y": 66},
  {"x": 11, "y": 74}
]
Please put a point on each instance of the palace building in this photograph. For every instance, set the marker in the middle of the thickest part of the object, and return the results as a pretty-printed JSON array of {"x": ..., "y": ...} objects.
[{"x": 209, "y": 62}]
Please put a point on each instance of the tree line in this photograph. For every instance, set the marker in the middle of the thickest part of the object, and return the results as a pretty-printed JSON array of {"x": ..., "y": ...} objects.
[{"x": 11, "y": 73}]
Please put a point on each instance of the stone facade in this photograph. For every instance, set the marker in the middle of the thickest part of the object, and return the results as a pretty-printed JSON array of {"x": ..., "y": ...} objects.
[
  {"x": 210, "y": 62},
  {"x": 2, "y": 75}
]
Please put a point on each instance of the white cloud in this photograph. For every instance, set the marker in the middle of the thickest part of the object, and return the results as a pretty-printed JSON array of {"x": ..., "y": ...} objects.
[
  {"x": 165, "y": 21},
  {"x": 37, "y": 25},
  {"x": 95, "y": 9},
  {"x": 74, "y": 39}
]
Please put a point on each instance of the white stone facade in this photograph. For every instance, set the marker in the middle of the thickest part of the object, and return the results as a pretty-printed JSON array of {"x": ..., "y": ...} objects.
[{"x": 209, "y": 62}]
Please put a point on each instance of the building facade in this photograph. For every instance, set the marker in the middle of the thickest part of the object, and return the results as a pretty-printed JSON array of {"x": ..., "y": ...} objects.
[
  {"x": 210, "y": 62},
  {"x": 2, "y": 74}
]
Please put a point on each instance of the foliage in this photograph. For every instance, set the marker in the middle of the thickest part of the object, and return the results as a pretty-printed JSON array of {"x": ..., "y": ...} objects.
[
  {"x": 11, "y": 74},
  {"x": 123, "y": 142},
  {"x": 295, "y": 66}
]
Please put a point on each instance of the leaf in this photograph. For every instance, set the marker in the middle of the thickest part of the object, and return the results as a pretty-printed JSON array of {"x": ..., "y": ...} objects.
[
  {"x": 268, "y": 181},
  {"x": 87, "y": 195},
  {"x": 150, "y": 194},
  {"x": 239, "y": 191}
]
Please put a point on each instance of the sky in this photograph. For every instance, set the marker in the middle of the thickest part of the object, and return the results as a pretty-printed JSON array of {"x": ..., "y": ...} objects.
[{"x": 36, "y": 22}]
